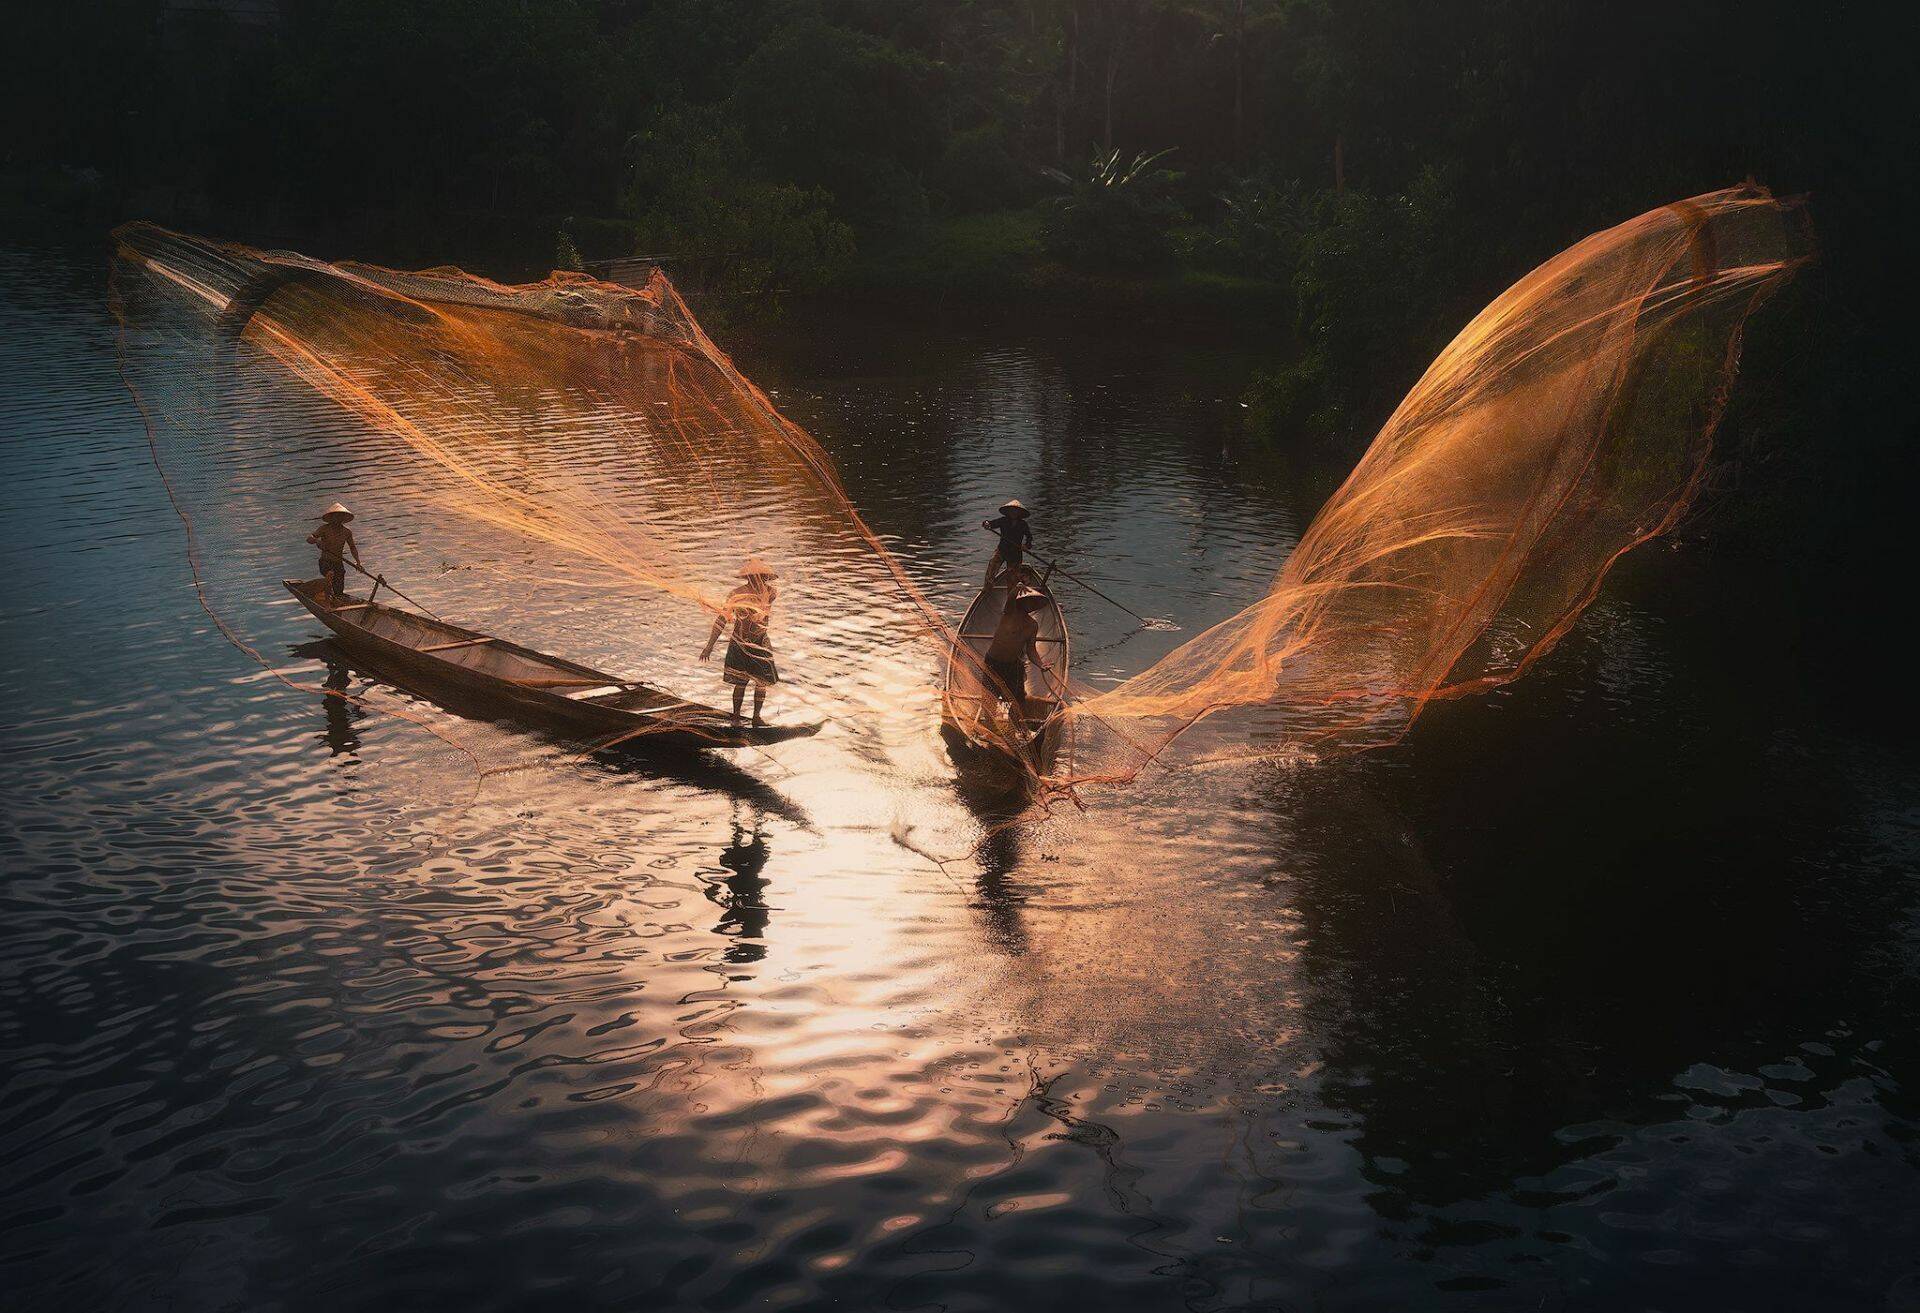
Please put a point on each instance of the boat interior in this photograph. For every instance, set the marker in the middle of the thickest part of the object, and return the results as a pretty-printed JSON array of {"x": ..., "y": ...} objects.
[
  {"x": 495, "y": 657},
  {"x": 968, "y": 693}
]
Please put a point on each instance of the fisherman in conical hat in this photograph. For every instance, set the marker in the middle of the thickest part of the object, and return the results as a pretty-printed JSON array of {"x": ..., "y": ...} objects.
[
  {"x": 335, "y": 540},
  {"x": 1016, "y": 642},
  {"x": 749, "y": 660},
  {"x": 1016, "y": 538}
]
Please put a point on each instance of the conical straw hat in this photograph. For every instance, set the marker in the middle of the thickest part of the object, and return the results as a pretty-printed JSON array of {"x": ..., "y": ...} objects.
[
  {"x": 336, "y": 509},
  {"x": 1013, "y": 507},
  {"x": 756, "y": 566}
]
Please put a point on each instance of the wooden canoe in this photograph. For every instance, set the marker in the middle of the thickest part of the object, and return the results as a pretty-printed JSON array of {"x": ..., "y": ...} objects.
[
  {"x": 522, "y": 684},
  {"x": 974, "y": 716}
]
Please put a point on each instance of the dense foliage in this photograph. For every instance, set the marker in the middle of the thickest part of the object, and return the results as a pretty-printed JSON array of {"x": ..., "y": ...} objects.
[{"x": 1112, "y": 212}]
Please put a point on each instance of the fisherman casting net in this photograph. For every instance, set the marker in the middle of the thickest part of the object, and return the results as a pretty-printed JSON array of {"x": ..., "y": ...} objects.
[
  {"x": 586, "y": 437},
  {"x": 571, "y": 439}
]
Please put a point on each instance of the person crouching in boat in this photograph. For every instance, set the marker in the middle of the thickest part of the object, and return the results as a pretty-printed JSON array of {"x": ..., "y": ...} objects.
[
  {"x": 749, "y": 658},
  {"x": 335, "y": 540},
  {"x": 1016, "y": 539},
  {"x": 1015, "y": 642}
]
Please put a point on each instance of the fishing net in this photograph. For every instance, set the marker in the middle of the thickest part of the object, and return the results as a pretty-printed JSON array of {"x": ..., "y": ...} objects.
[
  {"x": 585, "y": 440},
  {"x": 581, "y": 444},
  {"x": 1568, "y": 422}
]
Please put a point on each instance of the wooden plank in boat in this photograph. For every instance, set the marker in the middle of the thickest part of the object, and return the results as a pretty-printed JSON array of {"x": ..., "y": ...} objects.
[{"x": 1037, "y": 640}]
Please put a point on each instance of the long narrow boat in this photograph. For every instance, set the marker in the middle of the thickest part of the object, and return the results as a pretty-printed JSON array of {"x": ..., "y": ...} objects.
[
  {"x": 975, "y": 717},
  {"x": 526, "y": 685}
]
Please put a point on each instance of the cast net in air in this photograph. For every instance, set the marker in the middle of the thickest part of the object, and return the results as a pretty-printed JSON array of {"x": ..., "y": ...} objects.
[
  {"x": 1568, "y": 422},
  {"x": 579, "y": 436},
  {"x": 595, "y": 472}
]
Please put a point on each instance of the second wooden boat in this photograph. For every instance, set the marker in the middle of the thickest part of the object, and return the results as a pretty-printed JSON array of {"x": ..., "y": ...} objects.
[
  {"x": 522, "y": 684},
  {"x": 981, "y": 728}
]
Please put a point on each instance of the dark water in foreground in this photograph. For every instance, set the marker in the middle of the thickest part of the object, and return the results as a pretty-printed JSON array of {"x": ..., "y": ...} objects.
[{"x": 1595, "y": 994}]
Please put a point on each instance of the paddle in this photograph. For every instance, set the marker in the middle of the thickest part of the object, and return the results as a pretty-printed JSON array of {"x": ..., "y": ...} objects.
[
  {"x": 1150, "y": 622},
  {"x": 381, "y": 579}
]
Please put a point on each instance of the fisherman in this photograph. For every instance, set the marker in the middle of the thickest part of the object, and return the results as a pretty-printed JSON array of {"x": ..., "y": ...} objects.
[
  {"x": 334, "y": 539},
  {"x": 1015, "y": 642},
  {"x": 1016, "y": 538},
  {"x": 749, "y": 658}
]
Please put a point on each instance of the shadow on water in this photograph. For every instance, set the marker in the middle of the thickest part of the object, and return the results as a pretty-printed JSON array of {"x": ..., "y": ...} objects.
[
  {"x": 1002, "y": 895},
  {"x": 693, "y": 769},
  {"x": 700, "y": 770},
  {"x": 1000, "y": 803},
  {"x": 742, "y": 893},
  {"x": 343, "y": 739}
]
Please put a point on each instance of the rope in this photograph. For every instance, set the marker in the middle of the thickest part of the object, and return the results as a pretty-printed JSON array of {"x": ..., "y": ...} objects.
[
  {"x": 1151, "y": 622},
  {"x": 381, "y": 579}
]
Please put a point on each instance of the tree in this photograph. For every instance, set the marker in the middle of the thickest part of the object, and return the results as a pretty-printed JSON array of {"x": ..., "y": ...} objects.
[{"x": 1114, "y": 213}]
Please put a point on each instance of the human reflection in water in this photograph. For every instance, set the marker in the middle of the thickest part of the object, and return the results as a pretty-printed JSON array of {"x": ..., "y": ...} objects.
[
  {"x": 1001, "y": 897},
  {"x": 742, "y": 893},
  {"x": 343, "y": 737}
]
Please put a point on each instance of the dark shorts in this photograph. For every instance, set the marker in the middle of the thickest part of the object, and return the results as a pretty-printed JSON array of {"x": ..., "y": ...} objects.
[
  {"x": 334, "y": 570},
  {"x": 749, "y": 663},
  {"x": 1010, "y": 676}
]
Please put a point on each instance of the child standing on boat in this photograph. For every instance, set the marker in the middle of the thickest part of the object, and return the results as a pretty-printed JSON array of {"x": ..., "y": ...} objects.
[
  {"x": 749, "y": 658},
  {"x": 335, "y": 539},
  {"x": 1016, "y": 538}
]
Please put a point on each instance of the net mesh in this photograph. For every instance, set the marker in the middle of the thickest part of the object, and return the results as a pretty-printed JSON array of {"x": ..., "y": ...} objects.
[
  {"x": 565, "y": 436},
  {"x": 1569, "y": 421},
  {"x": 583, "y": 436}
]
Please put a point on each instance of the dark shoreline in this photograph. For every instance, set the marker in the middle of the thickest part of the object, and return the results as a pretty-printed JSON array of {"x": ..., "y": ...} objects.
[{"x": 907, "y": 270}]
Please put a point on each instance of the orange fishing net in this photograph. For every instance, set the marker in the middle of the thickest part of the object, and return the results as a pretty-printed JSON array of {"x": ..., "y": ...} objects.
[
  {"x": 565, "y": 435},
  {"x": 584, "y": 435},
  {"x": 1570, "y": 421}
]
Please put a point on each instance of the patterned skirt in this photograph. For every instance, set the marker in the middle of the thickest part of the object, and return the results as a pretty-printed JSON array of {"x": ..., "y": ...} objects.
[{"x": 750, "y": 663}]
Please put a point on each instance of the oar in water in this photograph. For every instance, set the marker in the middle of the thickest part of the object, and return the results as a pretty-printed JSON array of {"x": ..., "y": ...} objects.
[
  {"x": 381, "y": 581},
  {"x": 1151, "y": 622}
]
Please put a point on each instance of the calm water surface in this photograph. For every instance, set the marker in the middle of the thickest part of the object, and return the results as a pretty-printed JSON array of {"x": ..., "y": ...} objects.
[{"x": 1594, "y": 994}]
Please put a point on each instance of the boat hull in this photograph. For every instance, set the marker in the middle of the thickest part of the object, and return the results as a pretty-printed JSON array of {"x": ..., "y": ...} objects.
[
  {"x": 660, "y": 721},
  {"x": 973, "y": 719}
]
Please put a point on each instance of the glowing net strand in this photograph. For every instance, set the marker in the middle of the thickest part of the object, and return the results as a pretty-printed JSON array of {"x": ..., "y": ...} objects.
[
  {"x": 192, "y": 549},
  {"x": 694, "y": 416},
  {"x": 1568, "y": 422}
]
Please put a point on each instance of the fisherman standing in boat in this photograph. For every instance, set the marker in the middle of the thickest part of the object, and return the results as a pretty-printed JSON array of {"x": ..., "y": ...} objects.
[
  {"x": 1016, "y": 538},
  {"x": 749, "y": 658},
  {"x": 335, "y": 539},
  {"x": 1015, "y": 642}
]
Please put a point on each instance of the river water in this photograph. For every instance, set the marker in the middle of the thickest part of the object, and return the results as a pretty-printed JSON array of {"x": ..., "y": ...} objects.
[{"x": 1595, "y": 993}]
